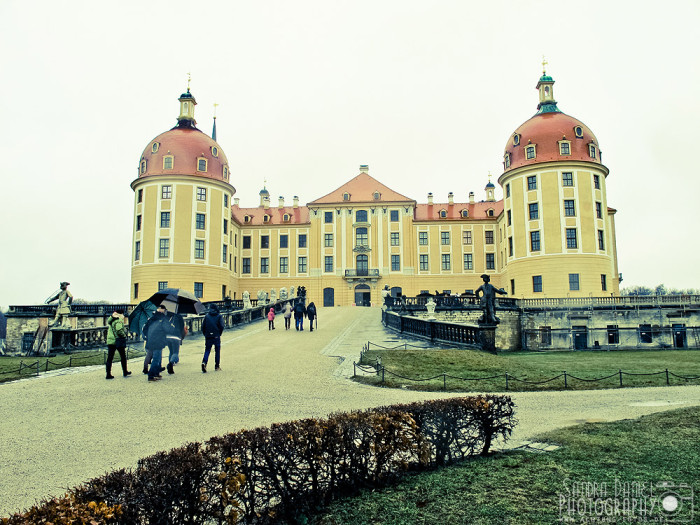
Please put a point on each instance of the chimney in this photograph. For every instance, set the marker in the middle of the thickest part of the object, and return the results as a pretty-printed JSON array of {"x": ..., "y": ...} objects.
[
  {"x": 281, "y": 201},
  {"x": 364, "y": 168},
  {"x": 266, "y": 202},
  {"x": 236, "y": 201},
  {"x": 296, "y": 201},
  {"x": 471, "y": 197},
  {"x": 430, "y": 198},
  {"x": 451, "y": 198}
]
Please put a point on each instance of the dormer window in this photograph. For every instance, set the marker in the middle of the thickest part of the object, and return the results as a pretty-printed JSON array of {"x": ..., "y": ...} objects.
[
  {"x": 286, "y": 217},
  {"x": 154, "y": 147},
  {"x": 564, "y": 147},
  {"x": 214, "y": 151},
  {"x": 266, "y": 218},
  {"x": 247, "y": 218},
  {"x": 506, "y": 160},
  {"x": 465, "y": 214},
  {"x": 592, "y": 151},
  {"x": 530, "y": 152},
  {"x": 168, "y": 162},
  {"x": 490, "y": 213},
  {"x": 143, "y": 166},
  {"x": 346, "y": 196},
  {"x": 201, "y": 164},
  {"x": 578, "y": 131},
  {"x": 225, "y": 172},
  {"x": 443, "y": 214},
  {"x": 516, "y": 139},
  {"x": 377, "y": 195}
]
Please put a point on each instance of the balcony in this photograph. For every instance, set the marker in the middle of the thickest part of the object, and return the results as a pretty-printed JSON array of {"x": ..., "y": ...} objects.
[{"x": 362, "y": 275}]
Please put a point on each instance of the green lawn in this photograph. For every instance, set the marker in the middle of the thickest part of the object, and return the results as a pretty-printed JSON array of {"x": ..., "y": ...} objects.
[
  {"x": 531, "y": 366},
  {"x": 12, "y": 368},
  {"x": 528, "y": 488}
]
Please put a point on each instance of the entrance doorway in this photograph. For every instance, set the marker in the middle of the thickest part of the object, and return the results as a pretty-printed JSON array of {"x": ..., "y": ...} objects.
[
  {"x": 580, "y": 334},
  {"x": 362, "y": 295},
  {"x": 328, "y": 297},
  {"x": 679, "y": 340}
]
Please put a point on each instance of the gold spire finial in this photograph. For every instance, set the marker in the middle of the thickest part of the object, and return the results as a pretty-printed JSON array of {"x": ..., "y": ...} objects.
[
  {"x": 189, "y": 77},
  {"x": 544, "y": 63},
  {"x": 489, "y": 175},
  {"x": 215, "y": 104}
]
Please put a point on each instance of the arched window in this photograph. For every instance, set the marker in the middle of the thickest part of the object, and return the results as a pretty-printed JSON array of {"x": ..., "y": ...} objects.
[
  {"x": 361, "y": 216},
  {"x": 361, "y": 237}
]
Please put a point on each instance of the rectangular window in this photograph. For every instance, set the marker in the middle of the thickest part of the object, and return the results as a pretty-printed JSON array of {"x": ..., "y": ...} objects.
[
  {"x": 534, "y": 210},
  {"x": 445, "y": 258},
  {"x": 136, "y": 290},
  {"x": 530, "y": 152},
  {"x": 571, "y": 241},
  {"x": 138, "y": 223},
  {"x": 596, "y": 182},
  {"x": 535, "y": 241},
  {"x": 199, "y": 249},
  {"x": 328, "y": 263},
  {"x": 468, "y": 261},
  {"x": 512, "y": 287},
  {"x": 284, "y": 241},
  {"x": 645, "y": 333},
  {"x": 569, "y": 208},
  {"x": 246, "y": 242},
  {"x": 601, "y": 240},
  {"x": 302, "y": 264},
  {"x": 567, "y": 179},
  {"x": 490, "y": 261},
  {"x": 536, "y": 283},
  {"x": 394, "y": 238},
  {"x": 510, "y": 246},
  {"x": 328, "y": 240},
  {"x": 201, "y": 165},
  {"x": 603, "y": 282},
  {"x": 328, "y": 217},
  {"x": 284, "y": 264},
  {"x": 592, "y": 150},
  {"x": 507, "y": 190},
  {"x": 245, "y": 265},
  {"x": 466, "y": 237},
  {"x": 167, "y": 163},
  {"x": 137, "y": 251},
  {"x": 224, "y": 253},
  {"x": 225, "y": 200},
  {"x": 235, "y": 264},
  {"x": 613, "y": 334},
  {"x": 395, "y": 263},
  {"x": 445, "y": 238},
  {"x": 139, "y": 196},
  {"x": 532, "y": 182},
  {"x": 264, "y": 242},
  {"x": 164, "y": 248},
  {"x": 201, "y": 194},
  {"x": 599, "y": 210},
  {"x": 423, "y": 260},
  {"x": 508, "y": 214},
  {"x": 162, "y": 285},
  {"x": 488, "y": 236},
  {"x": 302, "y": 240},
  {"x": 545, "y": 335},
  {"x": 423, "y": 238},
  {"x": 200, "y": 221},
  {"x": 564, "y": 148},
  {"x": 225, "y": 226},
  {"x": 573, "y": 282},
  {"x": 264, "y": 265},
  {"x": 166, "y": 191},
  {"x": 394, "y": 215},
  {"x": 199, "y": 290}
]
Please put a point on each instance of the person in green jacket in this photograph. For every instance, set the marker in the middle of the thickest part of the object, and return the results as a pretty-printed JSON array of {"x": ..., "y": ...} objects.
[{"x": 116, "y": 340}]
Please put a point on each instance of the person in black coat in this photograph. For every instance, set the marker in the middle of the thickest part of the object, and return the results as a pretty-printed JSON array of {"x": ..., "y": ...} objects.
[
  {"x": 311, "y": 315},
  {"x": 213, "y": 327},
  {"x": 156, "y": 331},
  {"x": 299, "y": 313}
]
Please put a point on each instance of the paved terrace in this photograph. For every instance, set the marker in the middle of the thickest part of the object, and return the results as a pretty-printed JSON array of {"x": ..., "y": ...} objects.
[{"x": 64, "y": 428}]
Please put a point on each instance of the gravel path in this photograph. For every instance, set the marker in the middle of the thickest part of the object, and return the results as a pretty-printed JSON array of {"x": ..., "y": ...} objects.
[{"x": 61, "y": 429}]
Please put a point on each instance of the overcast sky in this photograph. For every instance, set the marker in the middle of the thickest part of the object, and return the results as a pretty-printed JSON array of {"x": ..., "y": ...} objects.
[{"x": 427, "y": 93}]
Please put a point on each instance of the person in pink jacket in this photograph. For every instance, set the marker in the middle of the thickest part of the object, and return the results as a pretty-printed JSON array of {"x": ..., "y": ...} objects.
[{"x": 271, "y": 319}]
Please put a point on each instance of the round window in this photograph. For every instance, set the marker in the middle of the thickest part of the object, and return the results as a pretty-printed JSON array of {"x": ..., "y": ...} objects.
[
  {"x": 579, "y": 131},
  {"x": 516, "y": 140},
  {"x": 215, "y": 151},
  {"x": 154, "y": 147}
]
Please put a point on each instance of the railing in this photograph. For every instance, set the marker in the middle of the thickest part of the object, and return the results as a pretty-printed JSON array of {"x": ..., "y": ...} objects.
[
  {"x": 83, "y": 338},
  {"x": 433, "y": 330},
  {"x": 444, "y": 302},
  {"x": 627, "y": 300},
  {"x": 49, "y": 310},
  {"x": 362, "y": 272}
]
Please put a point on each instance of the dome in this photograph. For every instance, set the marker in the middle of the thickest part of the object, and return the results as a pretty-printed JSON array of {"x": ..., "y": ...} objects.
[
  {"x": 546, "y": 131},
  {"x": 184, "y": 151}
]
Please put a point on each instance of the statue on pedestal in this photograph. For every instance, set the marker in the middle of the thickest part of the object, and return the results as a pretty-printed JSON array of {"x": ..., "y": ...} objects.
[
  {"x": 488, "y": 300},
  {"x": 246, "y": 300},
  {"x": 273, "y": 295},
  {"x": 262, "y": 297},
  {"x": 283, "y": 294},
  {"x": 430, "y": 306},
  {"x": 291, "y": 292},
  {"x": 65, "y": 299}
]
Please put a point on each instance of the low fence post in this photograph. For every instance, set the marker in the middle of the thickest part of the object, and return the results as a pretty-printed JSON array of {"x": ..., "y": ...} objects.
[
  {"x": 667, "y": 382},
  {"x": 506, "y": 380},
  {"x": 37, "y": 367},
  {"x": 620, "y": 378},
  {"x": 47, "y": 365},
  {"x": 382, "y": 375},
  {"x": 565, "y": 383},
  {"x": 444, "y": 381},
  {"x": 354, "y": 373}
]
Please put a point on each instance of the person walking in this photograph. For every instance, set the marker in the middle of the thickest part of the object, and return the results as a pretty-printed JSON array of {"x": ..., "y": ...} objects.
[
  {"x": 299, "y": 313},
  {"x": 271, "y": 319},
  {"x": 176, "y": 334},
  {"x": 311, "y": 315},
  {"x": 156, "y": 331},
  {"x": 116, "y": 341},
  {"x": 287, "y": 311},
  {"x": 213, "y": 327}
]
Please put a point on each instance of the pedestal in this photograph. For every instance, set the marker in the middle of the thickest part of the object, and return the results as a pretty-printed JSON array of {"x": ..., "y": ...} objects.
[{"x": 487, "y": 337}]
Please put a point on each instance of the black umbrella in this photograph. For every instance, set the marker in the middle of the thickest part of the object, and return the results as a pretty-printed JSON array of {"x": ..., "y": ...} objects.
[
  {"x": 141, "y": 314},
  {"x": 185, "y": 302}
]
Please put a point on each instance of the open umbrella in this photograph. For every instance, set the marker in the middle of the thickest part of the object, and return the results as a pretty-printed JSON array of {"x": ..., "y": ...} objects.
[
  {"x": 141, "y": 314},
  {"x": 185, "y": 302}
]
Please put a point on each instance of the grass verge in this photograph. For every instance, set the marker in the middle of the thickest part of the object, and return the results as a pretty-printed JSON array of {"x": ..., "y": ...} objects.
[
  {"x": 529, "y": 370},
  {"x": 527, "y": 488}
]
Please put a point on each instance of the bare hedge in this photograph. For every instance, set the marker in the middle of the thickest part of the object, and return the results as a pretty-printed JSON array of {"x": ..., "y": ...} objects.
[{"x": 287, "y": 470}]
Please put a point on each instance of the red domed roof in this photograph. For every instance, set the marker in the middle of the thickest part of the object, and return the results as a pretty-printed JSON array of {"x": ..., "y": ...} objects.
[
  {"x": 544, "y": 131},
  {"x": 187, "y": 146}
]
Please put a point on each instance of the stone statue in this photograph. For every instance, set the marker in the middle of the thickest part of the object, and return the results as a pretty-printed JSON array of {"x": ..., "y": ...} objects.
[
  {"x": 430, "y": 306},
  {"x": 65, "y": 299},
  {"x": 273, "y": 295},
  {"x": 262, "y": 297},
  {"x": 291, "y": 292},
  {"x": 283, "y": 293},
  {"x": 246, "y": 300},
  {"x": 488, "y": 300}
]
